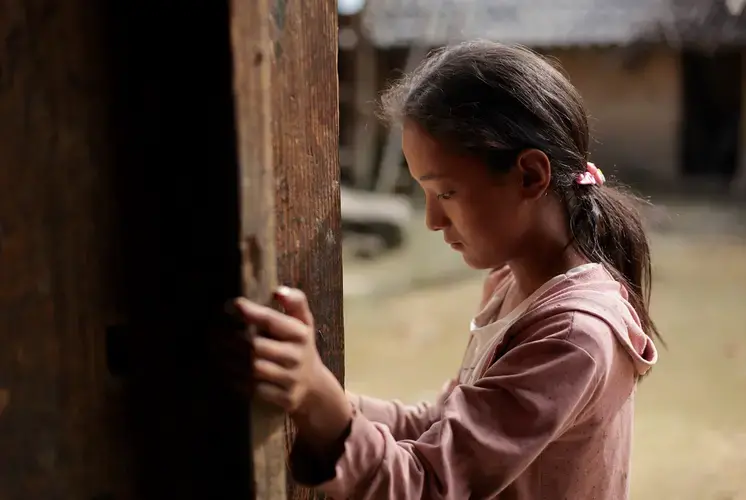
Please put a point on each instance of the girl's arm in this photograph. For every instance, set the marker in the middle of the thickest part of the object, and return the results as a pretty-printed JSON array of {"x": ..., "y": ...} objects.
[
  {"x": 411, "y": 421},
  {"x": 474, "y": 451},
  {"x": 404, "y": 421}
]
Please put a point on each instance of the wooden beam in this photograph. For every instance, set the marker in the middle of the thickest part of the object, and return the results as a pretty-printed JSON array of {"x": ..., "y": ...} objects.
[
  {"x": 306, "y": 158},
  {"x": 738, "y": 183},
  {"x": 119, "y": 232},
  {"x": 120, "y": 225},
  {"x": 252, "y": 68},
  {"x": 175, "y": 159},
  {"x": 63, "y": 431},
  {"x": 365, "y": 139},
  {"x": 391, "y": 159}
]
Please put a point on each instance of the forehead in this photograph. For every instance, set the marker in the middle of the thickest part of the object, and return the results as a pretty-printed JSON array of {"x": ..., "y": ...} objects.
[{"x": 427, "y": 158}]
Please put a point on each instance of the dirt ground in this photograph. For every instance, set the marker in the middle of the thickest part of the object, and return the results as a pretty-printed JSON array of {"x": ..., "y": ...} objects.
[{"x": 690, "y": 431}]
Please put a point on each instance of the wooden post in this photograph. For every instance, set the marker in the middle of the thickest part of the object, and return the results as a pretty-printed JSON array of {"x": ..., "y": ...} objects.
[
  {"x": 738, "y": 183},
  {"x": 286, "y": 88},
  {"x": 63, "y": 431},
  {"x": 390, "y": 169},
  {"x": 122, "y": 230},
  {"x": 252, "y": 82},
  {"x": 306, "y": 145},
  {"x": 365, "y": 140}
]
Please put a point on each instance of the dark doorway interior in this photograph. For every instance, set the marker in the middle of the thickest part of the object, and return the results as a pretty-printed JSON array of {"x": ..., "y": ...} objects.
[{"x": 712, "y": 114}]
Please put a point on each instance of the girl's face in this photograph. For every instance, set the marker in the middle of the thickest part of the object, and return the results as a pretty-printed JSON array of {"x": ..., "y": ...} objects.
[{"x": 484, "y": 216}]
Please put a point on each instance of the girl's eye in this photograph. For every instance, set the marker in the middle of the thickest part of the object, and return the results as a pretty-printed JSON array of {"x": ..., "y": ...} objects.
[{"x": 447, "y": 195}]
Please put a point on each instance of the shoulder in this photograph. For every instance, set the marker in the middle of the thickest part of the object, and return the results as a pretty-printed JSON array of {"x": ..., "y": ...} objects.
[
  {"x": 551, "y": 357},
  {"x": 576, "y": 329},
  {"x": 595, "y": 336}
]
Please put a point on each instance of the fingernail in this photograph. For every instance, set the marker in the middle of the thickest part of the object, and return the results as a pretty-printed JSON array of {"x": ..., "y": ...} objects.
[{"x": 282, "y": 291}]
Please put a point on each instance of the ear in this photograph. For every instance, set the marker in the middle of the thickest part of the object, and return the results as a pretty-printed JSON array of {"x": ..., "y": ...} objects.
[{"x": 535, "y": 172}]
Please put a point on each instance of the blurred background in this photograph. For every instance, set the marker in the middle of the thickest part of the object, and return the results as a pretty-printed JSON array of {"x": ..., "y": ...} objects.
[{"x": 664, "y": 82}]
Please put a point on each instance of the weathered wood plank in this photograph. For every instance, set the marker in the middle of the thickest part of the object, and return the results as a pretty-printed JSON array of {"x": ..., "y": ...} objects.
[
  {"x": 118, "y": 208},
  {"x": 252, "y": 83},
  {"x": 390, "y": 169},
  {"x": 119, "y": 239},
  {"x": 366, "y": 92},
  {"x": 62, "y": 429},
  {"x": 738, "y": 183},
  {"x": 306, "y": 145}
]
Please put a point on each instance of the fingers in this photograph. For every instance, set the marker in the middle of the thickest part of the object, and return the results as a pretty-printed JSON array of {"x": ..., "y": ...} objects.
[
  {"x": 277, "y": 324},
  {"x": 274, "y": 394},
  {"x": 273, "y": 361},
  {"x": 277, "y": 383},
  {"x": 278, "y": 352},
  {"x": 267, "y": 371},
  {"x": 284, "y": 355},
  {"x": 295, "y": 303}
]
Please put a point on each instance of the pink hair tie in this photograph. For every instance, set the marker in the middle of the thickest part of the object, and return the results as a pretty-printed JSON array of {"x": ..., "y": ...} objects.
[{"x": 591, "y": 176}]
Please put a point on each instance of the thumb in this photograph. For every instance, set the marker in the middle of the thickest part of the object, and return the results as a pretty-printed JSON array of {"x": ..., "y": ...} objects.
[{"x": 295, "y": 303}]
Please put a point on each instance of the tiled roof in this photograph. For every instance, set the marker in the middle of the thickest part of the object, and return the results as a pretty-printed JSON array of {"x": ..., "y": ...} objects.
[
  {"x": 541, "y": 22},
  {"x": 705, "y": 23}
]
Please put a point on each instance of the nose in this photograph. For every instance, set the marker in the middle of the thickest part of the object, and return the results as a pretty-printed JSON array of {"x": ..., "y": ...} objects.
[{"x": 435, "y": 217}]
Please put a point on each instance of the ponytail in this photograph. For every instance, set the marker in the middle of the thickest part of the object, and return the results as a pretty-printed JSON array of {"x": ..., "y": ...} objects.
[{"x": 606, "y": 224}]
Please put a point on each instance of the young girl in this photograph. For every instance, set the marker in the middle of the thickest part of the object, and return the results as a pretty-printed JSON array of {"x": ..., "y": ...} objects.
[{"x": 542, "y": 408}]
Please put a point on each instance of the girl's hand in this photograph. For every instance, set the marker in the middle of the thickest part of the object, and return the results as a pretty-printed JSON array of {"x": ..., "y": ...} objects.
[
  {"x": 288, "y": 370},
  {"x": 286, "y": 362}
]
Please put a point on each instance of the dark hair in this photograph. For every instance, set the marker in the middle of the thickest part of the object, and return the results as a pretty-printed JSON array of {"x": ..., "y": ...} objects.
[{"x": 492, "y": 101}]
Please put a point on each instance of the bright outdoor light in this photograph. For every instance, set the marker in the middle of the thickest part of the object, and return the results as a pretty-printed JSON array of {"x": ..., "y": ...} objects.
[{"x": 350, "y": 7}]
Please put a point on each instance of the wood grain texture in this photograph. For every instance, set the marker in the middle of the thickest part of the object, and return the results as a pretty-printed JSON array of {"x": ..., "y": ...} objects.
[
  {"x": 62, "y": 430},
  {"x": 306, "y": 155},
  {"x": 366, "y": 137},
  {"x": 119, "y": 212},
  {"x": 252, "y": 83},
  {"x": 118, "y": 208}
]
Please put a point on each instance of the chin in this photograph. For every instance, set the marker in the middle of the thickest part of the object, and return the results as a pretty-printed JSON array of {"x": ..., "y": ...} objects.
[
  {"x": 480, "y": 262},
  {"x": 476, "y": 263}
]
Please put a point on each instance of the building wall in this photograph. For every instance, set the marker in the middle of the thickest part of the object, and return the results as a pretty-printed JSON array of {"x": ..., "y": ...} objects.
[
  {"x": 635, "y": 108},
  {"x": 635, "y": 105}
]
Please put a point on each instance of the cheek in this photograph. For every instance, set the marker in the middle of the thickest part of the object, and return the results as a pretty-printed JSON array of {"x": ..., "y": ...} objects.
[
  {"x": 461, "y": 215},
  {"x": 496, "y": 219},
  {"x": 477, "y": 226}
]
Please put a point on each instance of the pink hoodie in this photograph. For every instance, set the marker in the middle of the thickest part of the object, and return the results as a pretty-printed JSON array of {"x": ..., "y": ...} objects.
[{"x": 549, "y": 416}]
